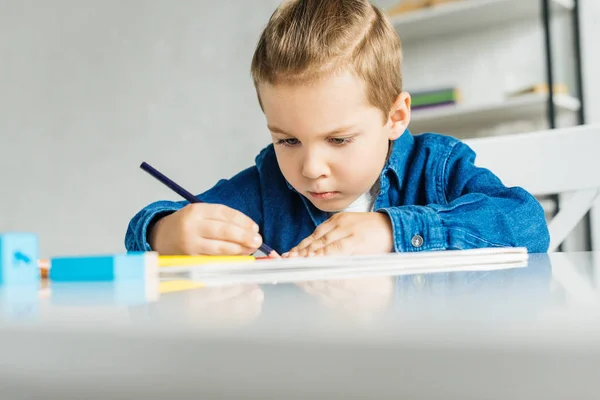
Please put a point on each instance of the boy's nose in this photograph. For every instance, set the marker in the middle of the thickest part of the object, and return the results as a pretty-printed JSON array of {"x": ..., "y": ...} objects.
[{"x": 314, "y": 167}]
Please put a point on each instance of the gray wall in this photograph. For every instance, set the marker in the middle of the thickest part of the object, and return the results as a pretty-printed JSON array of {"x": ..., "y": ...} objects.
[{"x": 91, "y": 88}]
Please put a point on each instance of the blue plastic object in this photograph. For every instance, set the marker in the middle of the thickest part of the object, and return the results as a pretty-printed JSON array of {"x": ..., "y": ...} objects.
[
  {"x": 104, "y": 268},
  {"x": 19, "y": 254}
]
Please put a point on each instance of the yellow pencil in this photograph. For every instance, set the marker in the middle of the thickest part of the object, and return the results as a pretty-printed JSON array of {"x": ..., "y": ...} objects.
[{"x": 181, "y": 261}]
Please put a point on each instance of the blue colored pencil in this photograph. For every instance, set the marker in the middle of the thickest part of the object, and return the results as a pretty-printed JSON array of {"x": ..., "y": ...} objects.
[{"x": 185, "y": 194}]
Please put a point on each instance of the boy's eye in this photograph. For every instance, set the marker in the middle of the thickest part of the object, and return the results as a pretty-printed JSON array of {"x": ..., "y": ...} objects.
[
  {"x": 340, "y": 141},
  {"x": 288, "y": 142}
]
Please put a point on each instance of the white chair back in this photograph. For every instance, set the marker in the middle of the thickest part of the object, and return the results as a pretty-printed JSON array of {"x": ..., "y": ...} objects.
[{"x": 559, "y": 161}]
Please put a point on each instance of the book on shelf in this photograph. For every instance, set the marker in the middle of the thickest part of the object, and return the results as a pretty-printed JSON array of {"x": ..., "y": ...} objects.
[
  {"x": 406, "y": 6},
  {"x": 541, "y": 88},
  {"x": 435, "y": 98}
]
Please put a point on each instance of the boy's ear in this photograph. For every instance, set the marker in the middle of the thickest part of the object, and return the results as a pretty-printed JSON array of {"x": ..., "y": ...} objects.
[{"x": 399, "y": 115}]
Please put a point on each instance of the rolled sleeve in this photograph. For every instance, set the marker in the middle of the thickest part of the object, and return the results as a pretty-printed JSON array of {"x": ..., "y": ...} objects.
[
  {"x": 416, "y": 228},
  {"x": 136, "y": 238}
]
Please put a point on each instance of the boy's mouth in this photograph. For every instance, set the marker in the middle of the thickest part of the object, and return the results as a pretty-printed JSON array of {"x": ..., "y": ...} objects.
[{"x": 323, "y": 195}]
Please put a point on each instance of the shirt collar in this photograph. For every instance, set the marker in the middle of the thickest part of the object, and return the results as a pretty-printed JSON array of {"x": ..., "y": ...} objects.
[{"x": 398, "y": 159}]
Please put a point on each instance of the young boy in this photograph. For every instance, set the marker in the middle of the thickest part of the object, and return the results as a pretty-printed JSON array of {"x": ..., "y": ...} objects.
[{"x": 343, "y": 175}]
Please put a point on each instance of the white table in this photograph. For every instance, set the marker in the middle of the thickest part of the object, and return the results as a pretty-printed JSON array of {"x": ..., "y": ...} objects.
[{"x": 524, "y": 333}]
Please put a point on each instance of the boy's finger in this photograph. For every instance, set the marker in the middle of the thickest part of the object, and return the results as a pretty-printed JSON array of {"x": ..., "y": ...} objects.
[
  {"x": 223, "y": 213},
  {"x": 321, "y": 230},
  {"x": 229, "y": 232},
  {"x": 339, "y": 247},
  {"x": 221, "y": 248},
  {"x": 326, "y": 239}
]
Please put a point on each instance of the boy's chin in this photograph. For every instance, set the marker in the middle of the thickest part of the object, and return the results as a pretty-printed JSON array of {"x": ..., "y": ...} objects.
[{"x": 331, "y": 206}]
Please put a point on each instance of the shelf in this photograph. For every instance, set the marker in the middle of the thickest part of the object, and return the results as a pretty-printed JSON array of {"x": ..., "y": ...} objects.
[
  {"x": 461, "y": 118},
  {"x": 469, "y": 15}
]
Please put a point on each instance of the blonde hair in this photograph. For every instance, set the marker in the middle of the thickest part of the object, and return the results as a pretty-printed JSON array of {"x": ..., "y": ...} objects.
[{"x": 306, "y": 40}]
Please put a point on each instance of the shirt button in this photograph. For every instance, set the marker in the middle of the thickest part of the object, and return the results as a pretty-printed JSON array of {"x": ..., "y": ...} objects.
[{"x": 417, "y": 241}]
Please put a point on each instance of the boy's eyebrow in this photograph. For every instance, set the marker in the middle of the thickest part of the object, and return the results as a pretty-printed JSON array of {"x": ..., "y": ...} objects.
[{"x": 274, "y": 129}]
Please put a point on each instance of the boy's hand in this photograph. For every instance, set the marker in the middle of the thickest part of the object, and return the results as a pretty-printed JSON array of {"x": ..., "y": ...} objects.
[
  {"x": 348, "y": 233},
  {"x": 205, "y": 229}
]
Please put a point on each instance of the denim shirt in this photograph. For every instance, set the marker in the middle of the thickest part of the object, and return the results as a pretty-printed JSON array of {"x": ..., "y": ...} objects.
[{"x": 434, "y": 195}]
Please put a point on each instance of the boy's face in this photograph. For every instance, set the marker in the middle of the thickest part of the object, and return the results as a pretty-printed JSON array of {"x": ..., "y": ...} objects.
[{"x": 331, "y": 143}]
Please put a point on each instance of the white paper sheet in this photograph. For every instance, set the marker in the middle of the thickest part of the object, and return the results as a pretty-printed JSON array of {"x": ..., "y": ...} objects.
[{"x": 353, "y": 266}]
